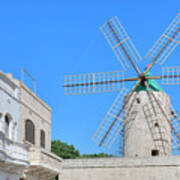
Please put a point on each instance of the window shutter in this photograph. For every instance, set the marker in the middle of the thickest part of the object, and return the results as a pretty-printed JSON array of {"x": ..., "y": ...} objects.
[
  {"x": 30, "y": 131},
  {"x": 42, "y": 139}
]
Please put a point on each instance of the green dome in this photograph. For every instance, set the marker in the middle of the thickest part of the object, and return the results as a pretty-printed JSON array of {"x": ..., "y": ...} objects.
[{"x": 152, "y": 84}]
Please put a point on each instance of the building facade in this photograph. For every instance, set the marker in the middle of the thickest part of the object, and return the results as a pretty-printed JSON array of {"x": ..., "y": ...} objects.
[
  {"x": 35, "y": 123},
  {"x": 14, "y": 154},
  {"x": 25, "y": 134}
]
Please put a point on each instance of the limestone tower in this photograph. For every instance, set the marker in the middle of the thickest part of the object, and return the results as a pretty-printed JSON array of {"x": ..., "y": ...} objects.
[{"x": 146, "y": 130}]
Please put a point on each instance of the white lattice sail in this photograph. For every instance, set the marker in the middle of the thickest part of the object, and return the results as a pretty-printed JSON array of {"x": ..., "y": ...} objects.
[
  {"x": 94, "y": 82},
  {"x": 166, "y": 43},
  {"x": 111, "y": 115},
  {"x": 120, "y": 42},
  {"x": 171, "y": 75}
]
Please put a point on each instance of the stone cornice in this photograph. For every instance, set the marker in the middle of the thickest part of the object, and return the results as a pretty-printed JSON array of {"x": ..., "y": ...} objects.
[{"x": 122, "y": 162}]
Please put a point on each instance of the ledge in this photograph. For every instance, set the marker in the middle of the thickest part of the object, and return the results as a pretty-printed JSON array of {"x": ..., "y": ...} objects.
[
  {"x": 122, "y": 162},
  {"x": 13, "y": 152},
  {"x": 43, "y": 163}
]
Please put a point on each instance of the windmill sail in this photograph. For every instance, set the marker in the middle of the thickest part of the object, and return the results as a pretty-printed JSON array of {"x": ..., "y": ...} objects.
[
  {"x": 166, "y": 43},
  {"x": 107, "y": 121},
  {"x": 120, "y": 42},
  {"x": 171, "y": 75},
  {"x": 94, "y": 82}
]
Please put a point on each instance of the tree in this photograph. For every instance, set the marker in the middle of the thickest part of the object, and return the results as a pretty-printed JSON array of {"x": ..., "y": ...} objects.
[
  {"x": 100, "y": 155},
  {"x": 55, "y": 178},
  {"x": 67, "y": 151},
  {"x": 64, "y": 150}
]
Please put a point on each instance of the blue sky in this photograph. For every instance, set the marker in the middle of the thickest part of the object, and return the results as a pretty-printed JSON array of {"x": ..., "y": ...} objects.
[{"x": 54, "y": 38}]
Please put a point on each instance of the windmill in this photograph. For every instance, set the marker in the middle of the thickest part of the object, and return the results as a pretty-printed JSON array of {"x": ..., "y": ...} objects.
[{"x": 145, "y": 109}]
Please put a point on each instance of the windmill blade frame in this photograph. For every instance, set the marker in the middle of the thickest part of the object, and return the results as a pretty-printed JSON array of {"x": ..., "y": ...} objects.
[
  {"x": 171, "y": 75},
  {"x": 95, "y": 82},
  {"x": 121, "y": 44},
  {"x": 117, "y": 115},
  {"x": 165, "y": 45},
  {"x": 109, "y": 119}
]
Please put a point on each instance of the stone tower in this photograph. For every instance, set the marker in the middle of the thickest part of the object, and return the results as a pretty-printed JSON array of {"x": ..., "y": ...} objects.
[{"x": 146, "y": 130}]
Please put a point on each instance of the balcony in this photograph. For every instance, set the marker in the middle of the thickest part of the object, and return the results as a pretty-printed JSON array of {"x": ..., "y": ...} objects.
[
  {"x": 13, "y": 155},
  {"x": 44, "y": 164}
]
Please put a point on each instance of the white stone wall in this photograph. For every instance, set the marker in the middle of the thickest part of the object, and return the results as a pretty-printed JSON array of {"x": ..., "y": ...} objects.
[
  {"x": 157, "y": 168},
  {"x": 31, "y": 177},
  {"x": 146, "y": 128},
  {"x": 43, "y": 164},
  {"x": 9, "y": 105},
  {"x": 33, "y": 108},
  {"x": 18, "y": 157},
  {"x": 8, "y": 176},
  {"x": 14, "y": 155},
  {"x": 47, "y": 163}
]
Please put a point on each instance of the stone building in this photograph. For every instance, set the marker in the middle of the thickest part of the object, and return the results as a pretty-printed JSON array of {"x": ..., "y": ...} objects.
[
  {"x": 25, "y": 132},
  {"x": 35, "y": 123},
  {"x": 14, "y": 154}
]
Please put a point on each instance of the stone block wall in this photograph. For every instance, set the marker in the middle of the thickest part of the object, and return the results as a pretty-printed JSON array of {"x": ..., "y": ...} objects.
[
  {"x": 156, "y": 168},
  {"x": 33, "y": 108},
  {"x": 145, "y": 127}
]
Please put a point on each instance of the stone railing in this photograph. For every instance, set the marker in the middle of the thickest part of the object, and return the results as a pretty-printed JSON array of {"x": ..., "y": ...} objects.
[
  {"x": 40, "y": 158},
  {"x": 13, "y": 151}
]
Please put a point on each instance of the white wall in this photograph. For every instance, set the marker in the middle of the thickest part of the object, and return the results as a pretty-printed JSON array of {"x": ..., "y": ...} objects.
[
  {"x": 30, "y": 177},
  {"x": 9, "y": 104},
  {"x": 34, "y": 109},
  {"x": 14, "y": 155},
  {"x": 141, "y": 136},
  {"x": 6, "y": 176},
  {"x": 156, "y": 168}
]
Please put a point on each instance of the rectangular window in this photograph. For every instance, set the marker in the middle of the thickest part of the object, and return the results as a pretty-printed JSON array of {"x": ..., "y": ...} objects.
[{"x": 155, "y": 152}]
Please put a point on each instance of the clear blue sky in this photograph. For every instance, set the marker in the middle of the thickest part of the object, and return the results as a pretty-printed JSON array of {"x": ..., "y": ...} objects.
[{"x": 51, "y": 38}]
